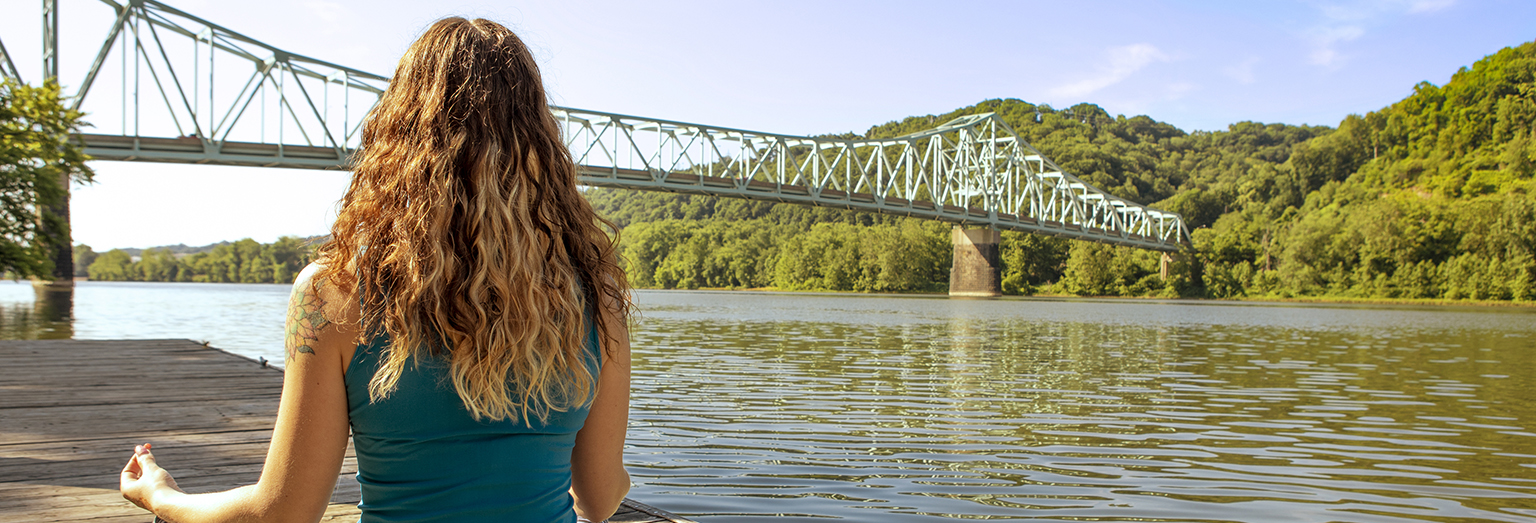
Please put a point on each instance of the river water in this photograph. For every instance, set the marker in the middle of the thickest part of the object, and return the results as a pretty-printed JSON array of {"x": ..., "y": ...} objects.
[{"x": 790, "y": 407}]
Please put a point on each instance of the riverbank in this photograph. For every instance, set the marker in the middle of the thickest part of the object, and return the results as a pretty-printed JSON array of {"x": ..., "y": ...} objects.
[
  {"x": 1319, "y": 300},
  {"x": 1386, "y": 301},
  {"x": 1322, "y": 300}
]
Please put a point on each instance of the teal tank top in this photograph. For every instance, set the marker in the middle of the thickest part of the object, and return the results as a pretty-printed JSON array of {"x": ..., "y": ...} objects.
[{"x": 421, "y": 457}]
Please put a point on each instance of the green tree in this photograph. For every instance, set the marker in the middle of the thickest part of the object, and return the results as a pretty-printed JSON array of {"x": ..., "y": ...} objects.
[
  {"x": 84, "y": 256},
  {"x": 157, "y": 265},
  {"x": 1090, "y": 270},
  {"x": 1030, "y": 261},
  {"x": 248, "y": 263},
  {"x": 287, "y": 256},
  {"x": 113, "y": 265},
  {"x": 37, "y": 161}
]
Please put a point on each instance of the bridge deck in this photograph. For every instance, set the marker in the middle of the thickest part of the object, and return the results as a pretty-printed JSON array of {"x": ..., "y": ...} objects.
[{"x": 71, "y": 411}]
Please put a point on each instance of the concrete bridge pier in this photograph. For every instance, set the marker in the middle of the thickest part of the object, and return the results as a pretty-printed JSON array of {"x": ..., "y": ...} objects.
[
  {"x": 975, "y": 271},
  {"x": 64, "y": 252}
]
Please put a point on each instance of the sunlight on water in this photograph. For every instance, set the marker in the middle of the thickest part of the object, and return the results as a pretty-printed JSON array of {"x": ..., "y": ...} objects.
[
  {"x": 895, "y": 409},
  {"x": 758, "y": 407}
]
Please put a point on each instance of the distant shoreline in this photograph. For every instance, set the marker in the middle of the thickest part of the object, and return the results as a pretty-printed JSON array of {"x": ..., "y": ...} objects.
[{"x": 1325, "y": 300}]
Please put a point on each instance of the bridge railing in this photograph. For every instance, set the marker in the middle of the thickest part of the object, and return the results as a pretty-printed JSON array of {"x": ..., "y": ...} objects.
[{"x": 974, "y": 170}]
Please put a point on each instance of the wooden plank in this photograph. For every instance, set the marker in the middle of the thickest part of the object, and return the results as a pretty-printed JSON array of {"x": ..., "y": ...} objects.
[{"x": 72, "y": 410}]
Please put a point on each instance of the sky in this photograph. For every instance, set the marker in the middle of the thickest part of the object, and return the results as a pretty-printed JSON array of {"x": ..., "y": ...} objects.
[{"x": 802, "y": 67}]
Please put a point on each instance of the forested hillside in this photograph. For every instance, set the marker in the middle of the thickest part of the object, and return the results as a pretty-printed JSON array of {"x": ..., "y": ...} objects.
[
  {"x": 244, "y": 261},
  {"x": 1431, "y": 197}
]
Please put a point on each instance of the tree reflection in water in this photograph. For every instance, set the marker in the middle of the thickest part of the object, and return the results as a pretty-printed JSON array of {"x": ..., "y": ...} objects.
[{"x": 48, "y": 317}]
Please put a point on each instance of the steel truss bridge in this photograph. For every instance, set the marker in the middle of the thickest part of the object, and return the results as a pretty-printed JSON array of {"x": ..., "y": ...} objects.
[{"x": 185, "y": 90}]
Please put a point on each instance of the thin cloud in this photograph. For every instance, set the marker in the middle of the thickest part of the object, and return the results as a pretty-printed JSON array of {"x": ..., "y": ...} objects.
[
  {"x": 325, "y": 10},
  {"x": 1347, "y": 21},
  {"x": 1177, "y": 90},
  {"x": 1243, "y": 71},
  {"x": 1325, "y": 44},
  {"x": 1123, "y": 62},
  {"x": 1429, "y": 6}
]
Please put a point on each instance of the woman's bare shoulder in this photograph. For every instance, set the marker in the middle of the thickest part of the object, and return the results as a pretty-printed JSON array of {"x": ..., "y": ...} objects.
[{"x": 319, "y": 313}]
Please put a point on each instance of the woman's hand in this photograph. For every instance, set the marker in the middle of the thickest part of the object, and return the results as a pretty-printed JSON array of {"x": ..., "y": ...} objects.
[
  {"x": 142, "y": 479},
  {"x": 309, "y": 439}
]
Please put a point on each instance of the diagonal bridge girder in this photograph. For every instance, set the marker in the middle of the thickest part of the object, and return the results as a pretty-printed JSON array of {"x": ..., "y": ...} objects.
[{"x": 293, "y": 111}]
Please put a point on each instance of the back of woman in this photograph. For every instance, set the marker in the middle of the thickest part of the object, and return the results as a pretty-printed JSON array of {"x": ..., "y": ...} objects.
[
  {"x": 466, "y": 320},
  {"x": 474, "y": 258},
  {"x": 420, "y": 454}
]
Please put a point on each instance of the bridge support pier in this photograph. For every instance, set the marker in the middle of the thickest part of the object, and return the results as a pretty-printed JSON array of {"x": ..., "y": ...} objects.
[
  {"x": 64, "y": 253},
  {"x": 975, "y": 271}
]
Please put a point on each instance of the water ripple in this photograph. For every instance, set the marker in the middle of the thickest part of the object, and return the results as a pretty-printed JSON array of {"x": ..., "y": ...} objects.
[
  {"x": 790, "y": 407},
  {"x": 757, "y": 407}
]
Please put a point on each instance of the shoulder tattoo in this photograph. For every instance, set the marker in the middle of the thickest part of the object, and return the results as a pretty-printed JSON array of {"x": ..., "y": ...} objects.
[{"x": 306, "y": 317}]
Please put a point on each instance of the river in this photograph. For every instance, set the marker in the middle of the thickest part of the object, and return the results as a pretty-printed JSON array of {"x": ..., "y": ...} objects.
[{"x": 793, "y": 407}]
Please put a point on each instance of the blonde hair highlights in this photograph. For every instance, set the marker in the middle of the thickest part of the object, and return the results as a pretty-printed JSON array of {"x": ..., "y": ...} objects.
[{"x": 464, "y": 234}]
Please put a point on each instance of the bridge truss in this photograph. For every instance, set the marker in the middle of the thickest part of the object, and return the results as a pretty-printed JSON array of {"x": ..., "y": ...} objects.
[{"x": 191, "y": 91}]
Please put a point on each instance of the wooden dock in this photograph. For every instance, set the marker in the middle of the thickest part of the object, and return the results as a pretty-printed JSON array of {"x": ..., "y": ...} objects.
[{"x": 72, "y": 410}]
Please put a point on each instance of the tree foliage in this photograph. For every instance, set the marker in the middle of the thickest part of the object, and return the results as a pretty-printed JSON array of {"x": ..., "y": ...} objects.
[
  {"x": 37, "y": 161},
  {"x": 244, "y": 261},
  {"x": 1431, "y": 197}
]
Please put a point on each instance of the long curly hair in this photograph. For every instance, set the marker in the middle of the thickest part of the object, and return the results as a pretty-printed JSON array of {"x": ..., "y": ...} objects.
[{"x": 464, "y": 235}]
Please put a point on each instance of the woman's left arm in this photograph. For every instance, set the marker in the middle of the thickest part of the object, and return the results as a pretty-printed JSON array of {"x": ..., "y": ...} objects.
[{"x": 308, "y": 443}]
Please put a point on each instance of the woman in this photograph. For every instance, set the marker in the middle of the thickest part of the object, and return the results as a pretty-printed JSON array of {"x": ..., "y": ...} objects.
[{"x": 467, "y": 318}]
